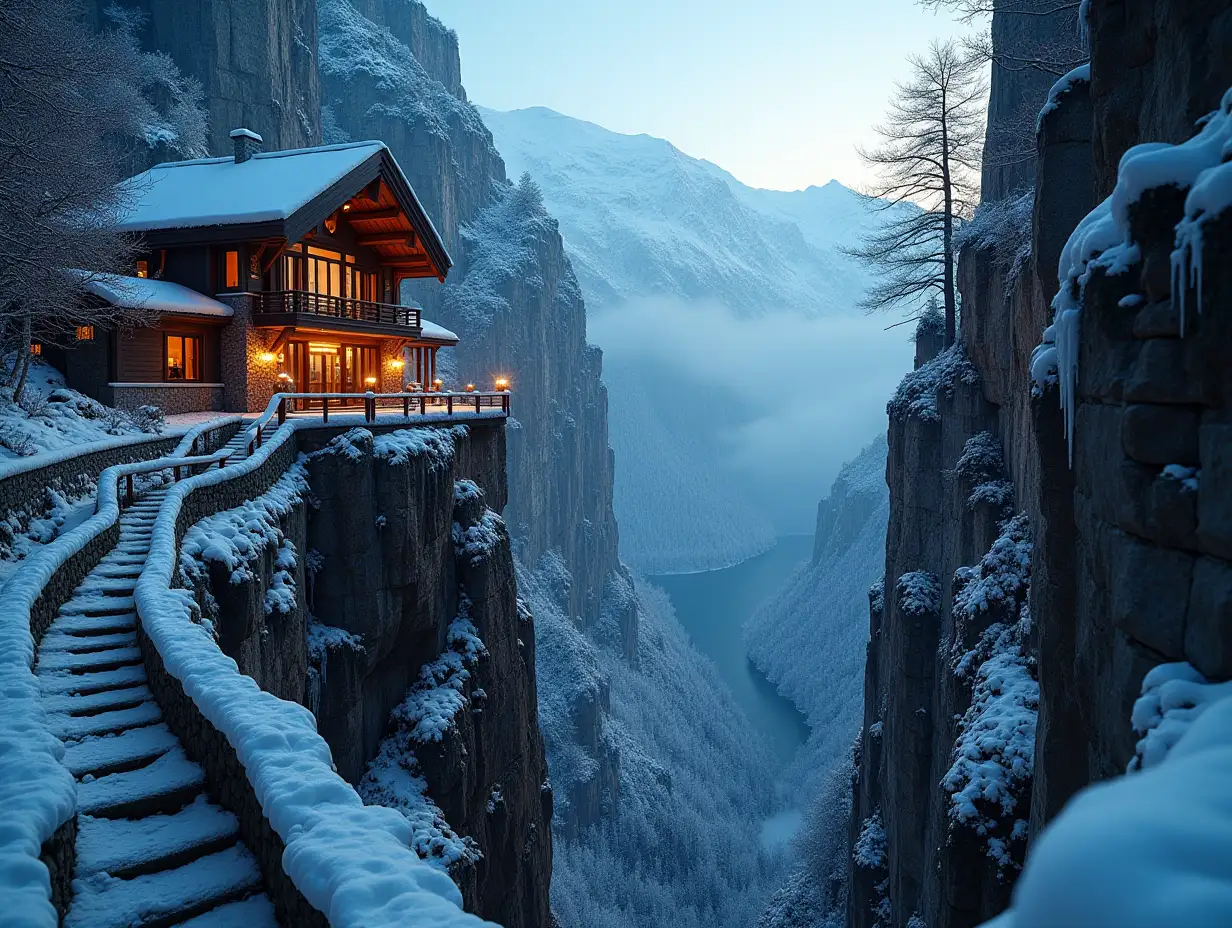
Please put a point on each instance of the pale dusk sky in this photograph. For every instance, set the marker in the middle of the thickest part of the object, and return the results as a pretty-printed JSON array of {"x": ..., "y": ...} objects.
[{"x": 779, "y": 92}]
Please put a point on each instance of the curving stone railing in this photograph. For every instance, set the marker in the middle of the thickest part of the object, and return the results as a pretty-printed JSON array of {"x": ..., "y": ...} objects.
[
  {"x": 38, "y": 797},
  {"x": 327, "y": 858}
]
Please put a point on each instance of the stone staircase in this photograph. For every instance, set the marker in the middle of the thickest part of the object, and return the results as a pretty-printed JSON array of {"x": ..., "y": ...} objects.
[{"x": 152, "y": 849}]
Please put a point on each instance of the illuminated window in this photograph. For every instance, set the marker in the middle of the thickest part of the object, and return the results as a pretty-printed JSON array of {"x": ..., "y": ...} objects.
[
  {"x": 143, "y": 268},
  {"x": 36, "y": 348},
  {"x": 232, "y": 270},
  {"x": 183, "y": 357},
  {"x": 85, "y": 333}
]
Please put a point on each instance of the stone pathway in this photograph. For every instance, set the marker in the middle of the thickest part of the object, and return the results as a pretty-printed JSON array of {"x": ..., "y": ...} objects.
[{"x": 152, "y": 849}]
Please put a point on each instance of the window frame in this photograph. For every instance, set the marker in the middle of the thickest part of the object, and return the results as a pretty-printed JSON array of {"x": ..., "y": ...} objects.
[{"x": 185, "y": 337}]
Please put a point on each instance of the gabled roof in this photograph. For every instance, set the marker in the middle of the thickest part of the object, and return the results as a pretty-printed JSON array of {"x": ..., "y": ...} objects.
[
  {"x": 276, "y": 194},
  {"x": 158, "y": 296}
]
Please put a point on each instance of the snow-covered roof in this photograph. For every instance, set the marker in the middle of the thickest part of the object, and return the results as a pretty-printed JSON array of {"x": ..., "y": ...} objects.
[
  {"x": 269, "y": 186},
  {"x": 436, "y": 332},
  {"x": 160, "y": 296}
]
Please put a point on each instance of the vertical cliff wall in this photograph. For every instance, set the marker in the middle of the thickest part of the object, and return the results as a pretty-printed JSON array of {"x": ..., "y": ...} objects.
[
  {"x": 1028, "y": 591},
  {"x": 255, "y": 59},
  {"x": 389, "y": 71}
]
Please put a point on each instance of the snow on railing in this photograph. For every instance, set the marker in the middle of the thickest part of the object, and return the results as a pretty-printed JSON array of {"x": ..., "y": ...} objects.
[
  {"x": 494, "y": 404},
  {"x": 37, "y": 792},
  {"x": 350, "y": 861}
]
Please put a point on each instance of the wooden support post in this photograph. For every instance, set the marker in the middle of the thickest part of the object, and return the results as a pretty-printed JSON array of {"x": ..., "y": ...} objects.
[
  {"x": 505, "y": 403},
  {"x": 449, "y": 404},
  {"x": 128, "y": 481},
  {"x": 423, "y": 403},
  {"x": 282, "y": 410},
  {"x": 222, "y": 462},
  {"x": 258, "y": 436},
  {"x": 192, "y": 450},
  {"x": 477, "y": 404}
]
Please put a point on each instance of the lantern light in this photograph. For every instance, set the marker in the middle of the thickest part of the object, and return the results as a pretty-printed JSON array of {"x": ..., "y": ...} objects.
[
  {"x": 438, "y": 383},
  {"x": 470, "y": 388},
  {"x": 267, "y": 357},
  {"x": 397, "y": 364},
  {"x": 369, "y": 380},
  {"x": 502, "y": 384}
]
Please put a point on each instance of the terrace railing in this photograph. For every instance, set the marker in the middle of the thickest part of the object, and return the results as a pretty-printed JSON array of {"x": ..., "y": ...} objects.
[{"x": 337, "y": 307}]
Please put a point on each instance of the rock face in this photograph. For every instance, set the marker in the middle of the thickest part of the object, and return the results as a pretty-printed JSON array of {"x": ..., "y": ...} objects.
[
  {"x": 255, "y": 59},
  {"x": 395, "y": 540},
  {"x": 1124, "y": 550},
  {"x": 512, "y": 295}
]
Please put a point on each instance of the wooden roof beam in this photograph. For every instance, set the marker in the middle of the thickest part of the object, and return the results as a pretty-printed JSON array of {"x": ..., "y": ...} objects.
[
  {"x": 388, "y": 238},
  {"x": 356, "y": 215}
]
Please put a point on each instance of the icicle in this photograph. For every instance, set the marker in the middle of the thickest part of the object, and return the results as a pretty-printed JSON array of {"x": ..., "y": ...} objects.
[{"x": 1067, "y": 329}]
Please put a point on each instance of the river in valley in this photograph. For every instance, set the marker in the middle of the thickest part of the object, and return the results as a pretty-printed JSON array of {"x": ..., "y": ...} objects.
[{"x": 714, "y": 605}]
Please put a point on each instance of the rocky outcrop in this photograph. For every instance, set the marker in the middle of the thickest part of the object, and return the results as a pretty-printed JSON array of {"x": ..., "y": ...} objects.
[
  {"x": 255, "y": 59},
  {"x": 1126, "y": 539},
  {"x": 346, "y": 599}
]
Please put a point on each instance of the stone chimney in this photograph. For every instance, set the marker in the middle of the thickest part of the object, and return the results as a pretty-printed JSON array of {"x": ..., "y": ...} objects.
[{"x": 247, "y": 144}]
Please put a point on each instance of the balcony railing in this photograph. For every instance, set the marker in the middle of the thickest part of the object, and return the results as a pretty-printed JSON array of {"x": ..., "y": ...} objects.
[{"x": 337, "y": 307}]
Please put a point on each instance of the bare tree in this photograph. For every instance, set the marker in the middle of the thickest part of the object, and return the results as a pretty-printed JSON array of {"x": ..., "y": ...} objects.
[
  {"x": 928, "y": 167},
  {"x": 1031, "y": 43},
  {"x": 72, "y": 114}
]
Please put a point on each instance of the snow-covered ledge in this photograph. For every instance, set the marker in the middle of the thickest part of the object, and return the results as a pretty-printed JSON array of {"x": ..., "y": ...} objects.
[
  {"x": 38, "y": 797},
  {"x": 352, "y": 863}
]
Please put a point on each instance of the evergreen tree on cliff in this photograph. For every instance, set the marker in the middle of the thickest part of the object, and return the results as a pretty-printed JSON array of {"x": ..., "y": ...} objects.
[{"x": 928, "y": 178}]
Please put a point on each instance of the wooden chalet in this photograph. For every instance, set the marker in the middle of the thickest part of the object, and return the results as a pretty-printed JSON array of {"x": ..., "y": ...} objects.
[{"x": 265, "y": 272}]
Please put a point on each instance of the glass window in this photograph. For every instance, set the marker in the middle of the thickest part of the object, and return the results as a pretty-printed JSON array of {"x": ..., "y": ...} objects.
[
  {"x": 183, "y": 357},
  {"x": 143, "y": 268},
  {"x": 85, "y": 333},
  {"x": 232, "y": 274}
]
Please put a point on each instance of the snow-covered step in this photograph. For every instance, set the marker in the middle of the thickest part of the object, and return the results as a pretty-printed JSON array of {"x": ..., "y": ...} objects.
[
  {"x": 127, "y": 848},
  {"x": 133, "y": 546},
  {"x": 72, "y": 727},
  {"x": 108, "y": 586},
  {"x": 254, "y": 912},
  {"x": 108, "y": 570},
  {"x": 66, "y": 681},
  {"x": 98, "y": 604},
  {"x": 56, "y": 640},
  {"x": 167, "y": 897},
  {"x": 93, "y": 624},
  {"x": 97, "y": 702},
  {"x": 111, "y": 659},
  {"x": 166, "y": 785},
  {"x": 128, "y": 750}
]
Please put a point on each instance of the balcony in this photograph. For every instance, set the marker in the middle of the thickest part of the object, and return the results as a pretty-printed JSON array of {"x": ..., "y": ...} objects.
[{"x": 302, "y": 309}]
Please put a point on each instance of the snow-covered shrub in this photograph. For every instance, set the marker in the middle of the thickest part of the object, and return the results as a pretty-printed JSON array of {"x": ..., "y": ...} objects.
[
  {"x": 237, "y": 538},
  {"x": 427, "y": 714},
  {"x": 1004, "y": 227},
  {"x": 16, "y": 441},
  {"x": 870, "y": 847},
  {"x": 876, "y": 595},
  {"x": 149, "y": 418},
  {"x": 994, "y": 591},
  {"x": 918, "y": 392},
  {"x": 919, "y": 593},
  {"x": 931, "y": 322},
  {"x": 981, "y": 463},
  {"x": 994, "y": 757}
]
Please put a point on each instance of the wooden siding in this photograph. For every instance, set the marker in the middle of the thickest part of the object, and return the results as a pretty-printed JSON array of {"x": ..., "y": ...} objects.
[{"x": 141, "y": 358}]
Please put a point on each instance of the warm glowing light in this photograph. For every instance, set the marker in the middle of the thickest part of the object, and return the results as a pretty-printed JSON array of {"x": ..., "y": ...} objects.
[
  {"x": 36, "y": 348},
  {"x": 284, "y": 376},
  {"x": 470, "y": 388},
  {"x": 438, "y": 383},
  {"x": 266, "y": 357},
  {"x": 322, "y": 348},
  {"x": 346, "y": 207},
  {"x": 397, "y": 364},
  {"x": 369, "y": 380},
  {"x": 502, "y": 384}
]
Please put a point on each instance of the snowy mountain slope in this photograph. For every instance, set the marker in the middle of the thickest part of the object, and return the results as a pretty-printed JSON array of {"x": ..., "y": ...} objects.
[
  {"x": 698, "y": 289},
  {"x": 641, "y": 218}
]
